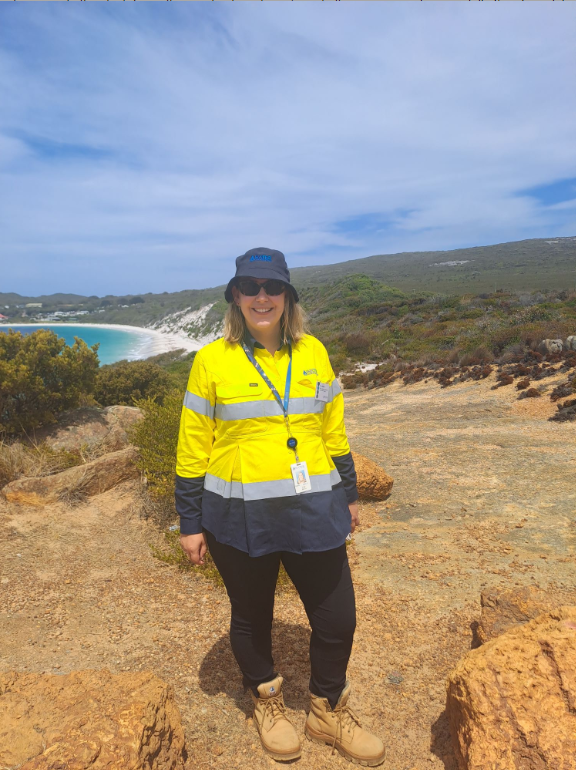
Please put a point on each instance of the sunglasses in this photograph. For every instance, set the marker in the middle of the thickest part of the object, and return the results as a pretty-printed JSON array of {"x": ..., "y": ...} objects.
[{"x": 250, "y": 288}]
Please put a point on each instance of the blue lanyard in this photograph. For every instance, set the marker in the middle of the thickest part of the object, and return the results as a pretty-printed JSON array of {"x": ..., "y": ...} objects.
[{"x": 283, "y": 403}]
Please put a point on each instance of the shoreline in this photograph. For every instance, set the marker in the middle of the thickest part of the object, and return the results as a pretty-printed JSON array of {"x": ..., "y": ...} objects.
[{"x": 160, "y": 342}]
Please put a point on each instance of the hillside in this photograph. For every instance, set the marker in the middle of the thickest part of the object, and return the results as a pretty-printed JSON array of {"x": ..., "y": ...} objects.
[
  {"x": 533, "y": 265},
  {"x": 428, "y": 304}
]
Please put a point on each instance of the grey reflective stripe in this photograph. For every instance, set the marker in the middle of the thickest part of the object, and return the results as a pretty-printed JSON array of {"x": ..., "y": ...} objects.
[
  {"x": 199, "y": 405},
  {"x": 223, "y": 488},
  {"x": 305, "y": 406},
  {"x": 335, "y": 477},
  {"x": 335, "y": 389},
  {"x": 245, "y": 410},
  {"x": 265, "y": 490}
]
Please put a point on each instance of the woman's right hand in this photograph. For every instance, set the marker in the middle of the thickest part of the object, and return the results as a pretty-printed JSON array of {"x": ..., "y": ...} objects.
[{"x": 194, "y": 546}]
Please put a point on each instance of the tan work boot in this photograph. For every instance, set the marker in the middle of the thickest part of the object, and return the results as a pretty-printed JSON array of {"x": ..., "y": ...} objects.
[
  {"x": 277, "y": 733},
  {"x": 340, "y": 727}
]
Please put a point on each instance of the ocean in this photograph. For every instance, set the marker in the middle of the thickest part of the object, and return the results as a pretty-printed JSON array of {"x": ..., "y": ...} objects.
[{"x": 115, "y": 344}]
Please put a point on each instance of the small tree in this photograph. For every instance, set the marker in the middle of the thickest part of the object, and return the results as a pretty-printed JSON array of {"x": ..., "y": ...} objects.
[{"x": 41, "y": 376}]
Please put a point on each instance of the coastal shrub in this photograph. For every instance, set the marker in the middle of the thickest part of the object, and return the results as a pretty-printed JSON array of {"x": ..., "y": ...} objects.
[
  {"x": 40, "y": 377},
  {"x": 481, "y": 355},
  {"x": 358, "y": 343},
  {"x": 340, "y": 363},
  {"x": 128, "y": 381},
  {"x": 156, "y": 436},
  {"x": 179, "y": 370}
]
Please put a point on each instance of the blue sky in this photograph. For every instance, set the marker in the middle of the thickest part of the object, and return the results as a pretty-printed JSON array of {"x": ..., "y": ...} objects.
[{"x": 143, "y": 146}]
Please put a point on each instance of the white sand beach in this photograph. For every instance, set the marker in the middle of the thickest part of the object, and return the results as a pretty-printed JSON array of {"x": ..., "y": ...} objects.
[{"x": 160, "y": 342}]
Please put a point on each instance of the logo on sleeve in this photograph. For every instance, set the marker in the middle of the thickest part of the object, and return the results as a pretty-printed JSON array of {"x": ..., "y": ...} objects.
[{"x": 311, "y": 371}]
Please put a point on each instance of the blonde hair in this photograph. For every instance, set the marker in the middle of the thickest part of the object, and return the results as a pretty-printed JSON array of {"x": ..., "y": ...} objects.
[{"x": 293, "y": 324}]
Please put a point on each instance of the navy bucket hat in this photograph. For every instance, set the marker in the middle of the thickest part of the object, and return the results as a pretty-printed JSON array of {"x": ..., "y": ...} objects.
[{"x": 261, "y": 263}]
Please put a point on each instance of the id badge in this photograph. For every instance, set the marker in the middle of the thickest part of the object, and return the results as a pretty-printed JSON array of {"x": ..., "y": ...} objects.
[
  {"x": 322, "y": 391},
  {"x": 301, "y": 477}
]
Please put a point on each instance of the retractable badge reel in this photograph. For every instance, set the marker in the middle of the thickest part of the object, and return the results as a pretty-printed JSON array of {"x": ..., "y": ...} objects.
[{"x": 299, "y": 469}]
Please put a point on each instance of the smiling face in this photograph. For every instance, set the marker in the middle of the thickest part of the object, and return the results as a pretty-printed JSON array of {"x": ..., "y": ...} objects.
[{"x": 262, "y": 313}]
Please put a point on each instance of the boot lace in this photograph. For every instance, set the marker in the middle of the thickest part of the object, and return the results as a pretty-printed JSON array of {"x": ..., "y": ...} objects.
[
  {"x": 347, "y": 720},
  {"x": 275, "y": 707}
]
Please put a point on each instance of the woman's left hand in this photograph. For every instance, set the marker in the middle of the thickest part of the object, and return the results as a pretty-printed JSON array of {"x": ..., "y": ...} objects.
[{"x": 354, "y": 516}]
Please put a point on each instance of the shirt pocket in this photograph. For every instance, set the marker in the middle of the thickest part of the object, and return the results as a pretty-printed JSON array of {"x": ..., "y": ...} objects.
[
  {"x": 241, "y": 408},
  {"x": 234, "y": 393}
]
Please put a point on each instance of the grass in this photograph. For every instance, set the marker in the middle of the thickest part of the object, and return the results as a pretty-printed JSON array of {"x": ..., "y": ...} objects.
[{"x": 19, "y": 459}]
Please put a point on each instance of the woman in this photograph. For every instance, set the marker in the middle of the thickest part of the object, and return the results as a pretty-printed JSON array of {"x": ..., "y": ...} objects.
[{"x": 265, "y": 475}]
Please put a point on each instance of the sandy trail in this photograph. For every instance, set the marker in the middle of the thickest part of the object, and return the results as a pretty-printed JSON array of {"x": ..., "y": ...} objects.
[{"x": 484, "y": 496}]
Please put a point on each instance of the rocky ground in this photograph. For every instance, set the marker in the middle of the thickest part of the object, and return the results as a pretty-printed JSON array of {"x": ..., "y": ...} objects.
[{"x": 484, "y": 496}]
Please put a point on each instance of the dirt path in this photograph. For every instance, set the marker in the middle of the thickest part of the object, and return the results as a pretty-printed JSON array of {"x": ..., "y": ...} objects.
[{"x": 484, "y": 496}]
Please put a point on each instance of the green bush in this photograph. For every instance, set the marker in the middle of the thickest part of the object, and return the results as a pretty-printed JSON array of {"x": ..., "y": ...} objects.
[
  {"x": 41, "y": 376},
  {"x": 156, "y": 436},
  {"x": 128, "y": 381}
]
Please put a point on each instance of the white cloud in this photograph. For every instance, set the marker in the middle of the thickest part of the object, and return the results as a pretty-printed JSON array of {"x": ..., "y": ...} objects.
[{"x": 144, "y": 147}]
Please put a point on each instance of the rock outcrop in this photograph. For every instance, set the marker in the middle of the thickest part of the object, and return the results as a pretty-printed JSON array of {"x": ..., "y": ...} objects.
[
  {"x": 547, "y": 347},
  {"x": 89, "y": 719},
  {"x": 75, "y": 484},
  {"x": 373, "y": 482},
  {"x": 512, "y": 702},
  {"x": 90, "y": 426},
  {"x": 502, "y": 610}
]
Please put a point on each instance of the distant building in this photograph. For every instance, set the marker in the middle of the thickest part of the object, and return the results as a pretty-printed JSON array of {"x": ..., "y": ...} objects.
[
  {"x": 3, "y": 317},
  {"x": 33, "y": 304}
]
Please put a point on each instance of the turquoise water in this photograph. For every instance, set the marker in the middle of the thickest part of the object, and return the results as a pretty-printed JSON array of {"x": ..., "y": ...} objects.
[{"x": 115, "y": 344}]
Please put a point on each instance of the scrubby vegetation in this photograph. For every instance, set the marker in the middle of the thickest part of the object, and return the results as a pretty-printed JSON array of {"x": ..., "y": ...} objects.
[
  {"x": 178, "y": 364},
  {"x": 156, "y": 437},
  {"x": 18, "y": 459},
  {"x": 41, "y": 376},
  {"x": 128, "y": 381},
  {"x": 379, "y": 324}
]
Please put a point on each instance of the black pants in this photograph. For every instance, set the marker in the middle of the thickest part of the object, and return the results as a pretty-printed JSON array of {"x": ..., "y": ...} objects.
[{"x": 323, "y": 580}]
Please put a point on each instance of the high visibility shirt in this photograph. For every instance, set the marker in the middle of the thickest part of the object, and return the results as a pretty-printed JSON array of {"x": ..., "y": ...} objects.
[{"x": 233, "y": 463}]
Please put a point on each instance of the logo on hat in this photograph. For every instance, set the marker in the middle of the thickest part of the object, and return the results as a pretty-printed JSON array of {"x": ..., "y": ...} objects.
[{"x": 261, "y": 257}]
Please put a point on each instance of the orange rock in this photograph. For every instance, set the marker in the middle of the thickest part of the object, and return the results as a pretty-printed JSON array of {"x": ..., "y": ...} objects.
[
  {"x": 512, "y": 702},
  {"x": 89, "y": 719},
  {"x": 373, "y": 482},
  {"x": 502, "y": 610}
]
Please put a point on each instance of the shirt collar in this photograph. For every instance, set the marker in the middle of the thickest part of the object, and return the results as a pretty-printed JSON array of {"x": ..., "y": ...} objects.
[{"x": 252, "y": 343}]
